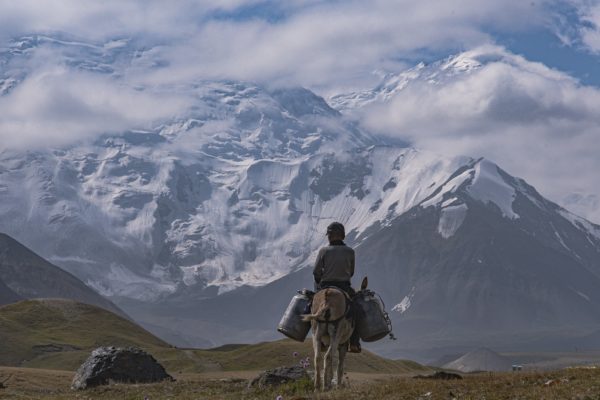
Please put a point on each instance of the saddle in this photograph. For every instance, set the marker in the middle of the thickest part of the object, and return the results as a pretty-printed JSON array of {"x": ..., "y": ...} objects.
[{"x": 346, "y": 294}]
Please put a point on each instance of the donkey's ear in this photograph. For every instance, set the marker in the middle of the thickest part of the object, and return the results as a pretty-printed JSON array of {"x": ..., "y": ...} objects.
[{"x": 365, "y": 283}]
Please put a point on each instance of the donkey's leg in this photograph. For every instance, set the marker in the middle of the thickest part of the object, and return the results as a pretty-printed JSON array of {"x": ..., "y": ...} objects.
[
  {"x": 317, "y": 333},
  {"x": 330, "y": 356},
  {"x": 342, "y": 349},
  {"x": 347, "y": 328}
]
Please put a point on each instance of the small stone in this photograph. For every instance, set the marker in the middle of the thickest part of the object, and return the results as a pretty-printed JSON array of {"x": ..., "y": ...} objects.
[
  {"x": 279, "y": 376},
  {"x": 552, "y": 382},
  {"x": 442, "y": 375}
]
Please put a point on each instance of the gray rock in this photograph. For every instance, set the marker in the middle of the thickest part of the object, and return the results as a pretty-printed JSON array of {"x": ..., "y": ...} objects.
[
  {"x": 112, "y": 364},
  {"x": 441, "y": 375},
  {"x": 279, "y": 376}
]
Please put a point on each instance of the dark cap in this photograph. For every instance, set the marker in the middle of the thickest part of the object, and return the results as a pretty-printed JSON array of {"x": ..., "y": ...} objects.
[{"x": 337, "y": 228}]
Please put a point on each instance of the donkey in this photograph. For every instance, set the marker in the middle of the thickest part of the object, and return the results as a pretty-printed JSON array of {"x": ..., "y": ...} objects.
[{"x": 331, "y": 331}]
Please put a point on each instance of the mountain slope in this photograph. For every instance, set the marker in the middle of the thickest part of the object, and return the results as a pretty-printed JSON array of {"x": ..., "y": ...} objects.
[
  {"x": 457, "y": 271},
  {"x": 27, "y": 275},
  {"x": 7, "y": 295},
  {"x": 462, "y": 266}
]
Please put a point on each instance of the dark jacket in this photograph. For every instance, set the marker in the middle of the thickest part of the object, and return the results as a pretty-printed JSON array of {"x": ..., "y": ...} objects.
[{"x": 335, "y": 263}]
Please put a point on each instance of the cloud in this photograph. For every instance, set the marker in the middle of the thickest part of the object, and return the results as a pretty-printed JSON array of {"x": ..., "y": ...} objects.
[
  {"x": 323, "y": 45},
  {"x": 57, "y": 106},
  {"x": 577, "y": 24},
  {"x": 319, "y": 44},
  {"x": 590, "y": 30},
  {"x": 99, "y": 20},
  {"x": 534, "y": 122},
  {"x": 329, "y": 45}
]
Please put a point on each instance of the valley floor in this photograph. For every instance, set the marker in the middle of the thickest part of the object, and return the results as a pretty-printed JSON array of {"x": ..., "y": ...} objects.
[{"x": 573, "y": 383}]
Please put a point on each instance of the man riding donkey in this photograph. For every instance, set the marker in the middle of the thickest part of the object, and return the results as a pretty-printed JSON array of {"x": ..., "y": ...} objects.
[
  {"x": 333, "y": 324},
  {"x": 335, "y": 268},
  {"x": 337, "y": 315}
]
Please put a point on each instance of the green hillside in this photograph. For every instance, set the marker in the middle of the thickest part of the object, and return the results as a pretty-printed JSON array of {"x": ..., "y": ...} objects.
[
  {"x": 63, "y": 332},
  {"x": 59, "y": 334}
]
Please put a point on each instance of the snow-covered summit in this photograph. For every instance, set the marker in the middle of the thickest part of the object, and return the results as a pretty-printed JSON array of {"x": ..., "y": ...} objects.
[{"x": 451, "y": 69}]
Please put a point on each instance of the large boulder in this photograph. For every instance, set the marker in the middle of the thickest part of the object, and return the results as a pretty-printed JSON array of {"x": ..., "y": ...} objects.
[
  {"x": 279, "y": 376},
  {"x": 112, "y": 364}
]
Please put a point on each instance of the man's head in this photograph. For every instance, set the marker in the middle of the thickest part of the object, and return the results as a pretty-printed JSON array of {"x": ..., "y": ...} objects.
[{"x": 336, "y": 231}]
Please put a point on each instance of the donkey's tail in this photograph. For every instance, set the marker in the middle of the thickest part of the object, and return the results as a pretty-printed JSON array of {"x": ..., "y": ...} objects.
[{"x": 321, "y": 314}]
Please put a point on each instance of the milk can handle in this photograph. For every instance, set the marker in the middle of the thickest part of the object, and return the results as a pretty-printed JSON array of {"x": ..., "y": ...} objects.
[{"x": 386, "y": 316}]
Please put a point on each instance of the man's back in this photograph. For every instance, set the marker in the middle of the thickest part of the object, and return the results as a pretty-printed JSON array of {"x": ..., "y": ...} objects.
[{"x": 335, "y": 263}]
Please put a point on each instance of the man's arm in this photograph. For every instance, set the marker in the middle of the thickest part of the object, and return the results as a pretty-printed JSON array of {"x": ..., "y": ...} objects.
[
  {"x": 352, "y": 260},
  {"x": 319, "y": 266}
]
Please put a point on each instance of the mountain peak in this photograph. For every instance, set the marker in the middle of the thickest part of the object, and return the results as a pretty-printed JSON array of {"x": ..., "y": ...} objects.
[
  {"x": 481, "y": 180},
  {"x": 447, "y": 70}
]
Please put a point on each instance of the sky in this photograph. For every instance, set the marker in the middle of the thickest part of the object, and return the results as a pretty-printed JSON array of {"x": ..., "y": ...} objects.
[{"x": 533, "y": 112}]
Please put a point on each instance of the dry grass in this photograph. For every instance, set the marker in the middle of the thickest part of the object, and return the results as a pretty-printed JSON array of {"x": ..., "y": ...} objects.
[{"x": 577, "y": 384}]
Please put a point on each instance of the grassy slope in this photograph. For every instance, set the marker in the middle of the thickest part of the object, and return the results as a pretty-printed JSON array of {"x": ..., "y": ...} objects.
[
  {"x": 28, "y": 328},
  {"x": 275, "y": 354}
]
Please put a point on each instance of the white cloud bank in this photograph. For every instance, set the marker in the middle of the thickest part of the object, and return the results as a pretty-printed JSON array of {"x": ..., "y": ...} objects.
[
  {"x": 57, "y": 106},
  {"x": 535, "y": 122},
  {"x": 589, "y": 29},
  {"x": 330, "y": 45},
  {"x": 319, "y": 44}
]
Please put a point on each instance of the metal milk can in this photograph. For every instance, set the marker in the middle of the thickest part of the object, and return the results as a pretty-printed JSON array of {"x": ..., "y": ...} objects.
[
  {"x": 291, "y": 323},
  {"x": 372, "y": 323}
]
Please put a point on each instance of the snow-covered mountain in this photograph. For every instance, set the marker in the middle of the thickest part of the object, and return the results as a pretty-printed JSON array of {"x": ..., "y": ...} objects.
[
  {"x": 214, "y": 212},
  {"x": 477, "y": 258},
  {"x": 438, "y": 73}
]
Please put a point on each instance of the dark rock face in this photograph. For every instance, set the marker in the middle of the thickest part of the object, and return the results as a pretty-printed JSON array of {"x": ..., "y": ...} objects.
[
  {"x": 25, "y": 275},
  {"x": 7, "y": 296},
  {"x": 279, "y": 376},
  {"x": 111, "y": 364}
]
